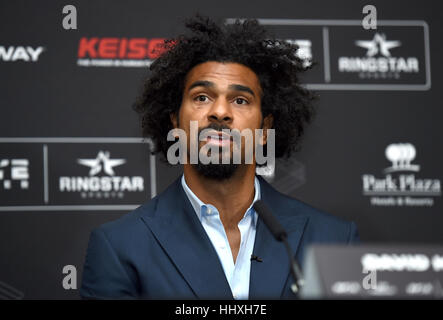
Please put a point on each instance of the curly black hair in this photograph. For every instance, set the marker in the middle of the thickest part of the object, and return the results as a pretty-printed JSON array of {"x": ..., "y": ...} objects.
[{"x": 245, "y": 42}]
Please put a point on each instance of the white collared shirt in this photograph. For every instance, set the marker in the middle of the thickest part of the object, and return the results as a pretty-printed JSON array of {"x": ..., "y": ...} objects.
[{"x": 237, "y": 274}]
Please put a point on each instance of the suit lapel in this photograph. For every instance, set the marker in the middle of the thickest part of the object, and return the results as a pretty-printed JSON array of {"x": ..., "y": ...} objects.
[
  {"x": 269, "y": 277},
  {"x": 178, "y": 230}
]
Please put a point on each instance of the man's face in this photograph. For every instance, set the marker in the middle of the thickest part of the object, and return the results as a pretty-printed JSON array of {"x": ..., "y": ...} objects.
[{"x": 221, "y": 96}]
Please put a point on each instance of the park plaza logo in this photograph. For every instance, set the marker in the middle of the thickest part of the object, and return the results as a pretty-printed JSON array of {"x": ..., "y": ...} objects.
[
  {"x": 102, "y": 181},
  {"x": 20, "y": 53},
  {"x": 118, "y": 52},
  {"x": 380, "y": 60},
  {"x": 401, "y": 156},
  {"x": 400, "y": 185}
]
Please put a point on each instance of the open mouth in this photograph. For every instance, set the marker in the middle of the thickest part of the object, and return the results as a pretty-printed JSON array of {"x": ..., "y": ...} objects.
[{"x": 219, "y": 138}]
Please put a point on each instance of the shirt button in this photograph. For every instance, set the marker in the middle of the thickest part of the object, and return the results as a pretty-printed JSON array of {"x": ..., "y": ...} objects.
[{"x": 209, "y": 211}]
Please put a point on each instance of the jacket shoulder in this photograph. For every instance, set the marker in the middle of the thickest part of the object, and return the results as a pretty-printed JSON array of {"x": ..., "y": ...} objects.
[
  {"x": 128, "y": 223},
  {"x": 321, "y": 226}
]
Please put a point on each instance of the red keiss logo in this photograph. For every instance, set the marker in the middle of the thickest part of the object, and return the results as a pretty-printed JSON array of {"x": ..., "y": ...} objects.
[{"x": 118, "y": 52}]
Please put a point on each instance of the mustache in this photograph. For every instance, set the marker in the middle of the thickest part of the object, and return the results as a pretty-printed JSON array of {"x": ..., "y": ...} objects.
[{"x": 214, "y": 126}]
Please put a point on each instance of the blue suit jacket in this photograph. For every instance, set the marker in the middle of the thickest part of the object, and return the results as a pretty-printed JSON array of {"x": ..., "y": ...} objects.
[{"x": 161, "y": 251}]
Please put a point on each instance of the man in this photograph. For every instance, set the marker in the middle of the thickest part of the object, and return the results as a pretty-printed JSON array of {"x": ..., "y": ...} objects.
[{"x": 201, "y": 238}]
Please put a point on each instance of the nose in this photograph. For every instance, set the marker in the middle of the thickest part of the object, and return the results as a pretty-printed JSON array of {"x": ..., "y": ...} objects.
[{"x": 221, "y": 112}]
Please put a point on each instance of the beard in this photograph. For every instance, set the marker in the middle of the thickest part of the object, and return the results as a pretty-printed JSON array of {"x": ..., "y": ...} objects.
[
  {"x": 215, "y": 171},
  {"x": 218, "y": 172}
]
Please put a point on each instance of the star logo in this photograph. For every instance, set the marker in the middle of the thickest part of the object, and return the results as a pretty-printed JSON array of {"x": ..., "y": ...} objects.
[
  {"x": 378, "y": 44},
  {"x": 102, "y": 162}
]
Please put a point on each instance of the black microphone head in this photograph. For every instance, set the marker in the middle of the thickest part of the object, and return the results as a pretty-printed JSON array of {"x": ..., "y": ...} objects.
[{"x": 270, "y": 221}]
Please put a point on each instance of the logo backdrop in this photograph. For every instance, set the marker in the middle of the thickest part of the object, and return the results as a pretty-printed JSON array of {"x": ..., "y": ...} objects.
[{"x": 72, "y": 158}]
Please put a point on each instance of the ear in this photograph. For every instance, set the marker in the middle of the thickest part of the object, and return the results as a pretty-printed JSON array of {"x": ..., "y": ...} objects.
[{"x": 268, "y": 122}]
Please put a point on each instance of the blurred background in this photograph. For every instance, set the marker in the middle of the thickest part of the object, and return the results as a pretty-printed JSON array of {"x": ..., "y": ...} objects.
[{"x": 72, "y": 156}]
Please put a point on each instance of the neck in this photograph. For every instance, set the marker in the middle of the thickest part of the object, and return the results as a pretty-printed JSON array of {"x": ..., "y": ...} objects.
[{"x": 231, "y": 196}]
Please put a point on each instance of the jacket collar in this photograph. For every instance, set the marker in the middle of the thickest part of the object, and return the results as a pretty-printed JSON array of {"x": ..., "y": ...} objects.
[
  {"x": 178, "y": 230},
  {"x": 269, "y": 277}
]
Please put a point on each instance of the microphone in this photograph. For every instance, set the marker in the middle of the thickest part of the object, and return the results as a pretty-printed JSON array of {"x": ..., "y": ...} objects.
[
  {"x": 255, "y": 258},
  {"x": 280, "y": 235}
]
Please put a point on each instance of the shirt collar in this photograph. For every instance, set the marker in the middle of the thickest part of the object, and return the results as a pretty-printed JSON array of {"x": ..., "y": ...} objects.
[{"x": 198, "y": 205}]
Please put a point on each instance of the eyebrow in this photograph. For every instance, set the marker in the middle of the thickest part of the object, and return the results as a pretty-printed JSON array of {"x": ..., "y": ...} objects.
[
  {"x": 201, "y": 83},
  {"x": 209, "y": 84},
  {"x": 239, "y": 87}
]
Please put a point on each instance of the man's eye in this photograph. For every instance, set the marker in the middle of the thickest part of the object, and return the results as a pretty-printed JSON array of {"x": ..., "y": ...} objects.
[
  {"x": 241, "y": 101},
  {"x": 201, "y": 98}
]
